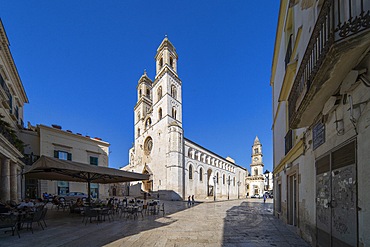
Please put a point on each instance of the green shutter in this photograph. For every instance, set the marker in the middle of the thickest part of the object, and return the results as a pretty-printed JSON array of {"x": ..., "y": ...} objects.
[
  {"x": 69, "y": 156},
  {"x": 56, "y": 154}
]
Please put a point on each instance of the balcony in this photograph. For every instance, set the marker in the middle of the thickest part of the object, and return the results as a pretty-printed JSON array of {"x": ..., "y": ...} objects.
[{"x": 339, "y": 38}]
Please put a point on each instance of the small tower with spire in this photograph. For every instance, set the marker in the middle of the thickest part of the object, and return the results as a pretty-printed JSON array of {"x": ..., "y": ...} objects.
[{"x": 257, "y": 164}]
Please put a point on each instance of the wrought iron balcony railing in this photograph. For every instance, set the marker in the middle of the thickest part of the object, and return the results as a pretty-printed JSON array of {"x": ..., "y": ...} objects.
[{"x": 338, "y": 20}]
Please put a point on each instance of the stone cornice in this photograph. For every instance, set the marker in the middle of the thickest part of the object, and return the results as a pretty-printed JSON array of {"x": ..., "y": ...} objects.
[
  {"x": 85, "y": 138},
  {"x": 164, "y": 70},
  {"x": 293, "y": 154},
  {"x": 8, "y": 150}
]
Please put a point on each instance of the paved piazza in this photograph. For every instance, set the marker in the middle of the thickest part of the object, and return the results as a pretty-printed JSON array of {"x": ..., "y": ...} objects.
[{"x": 226, "y": 223}]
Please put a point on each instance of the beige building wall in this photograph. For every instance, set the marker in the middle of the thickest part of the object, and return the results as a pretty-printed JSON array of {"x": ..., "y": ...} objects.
[{"x": 45, "y": 140}]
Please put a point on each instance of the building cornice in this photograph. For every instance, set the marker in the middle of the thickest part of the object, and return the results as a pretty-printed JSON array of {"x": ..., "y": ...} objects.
[{"x": 85, "y": 138}]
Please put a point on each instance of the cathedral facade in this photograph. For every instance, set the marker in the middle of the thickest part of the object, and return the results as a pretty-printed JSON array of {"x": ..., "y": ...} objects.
[{"x": 178, "y": 167}]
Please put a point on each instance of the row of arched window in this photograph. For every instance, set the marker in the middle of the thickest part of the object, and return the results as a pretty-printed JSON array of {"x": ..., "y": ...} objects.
[
  {"x": 225, "y": 180},
  {"x": 148, "y": 122},
  {"x": 173, "y": 92},
  {"x": 202, "y": 157}
]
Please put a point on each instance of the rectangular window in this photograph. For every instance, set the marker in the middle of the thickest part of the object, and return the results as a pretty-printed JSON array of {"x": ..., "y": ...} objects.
[
  {"x": 93, "y": 160},
  {"x": 318, "y": 135},
  {"x": 62, "y": 155}
]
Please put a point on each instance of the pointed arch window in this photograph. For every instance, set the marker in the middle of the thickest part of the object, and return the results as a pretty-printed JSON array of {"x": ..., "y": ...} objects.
[
  {"x": 173, "y": 112},
  {"x": 223, "y": 179},
  {"x": 255, "y": 171},
  {"x": 234, "y": 181},
  {"x": 217, "y": 178},
  {"x": 201, "y": 174},
  {"x": 148, "y": 93},
  {"x": 161, "y": 62},
  {"x": 173, "y": 91},
  {"x": 138, "y": 132},
  {"x": 148, "y": 122},
  {"x": 140, "y": 93},
  {"x": 160, "y": 114},
  {"x": 171, "y": 62},
  {"x": 159, "y": 93},
  {"x": 190, "y": 172}
]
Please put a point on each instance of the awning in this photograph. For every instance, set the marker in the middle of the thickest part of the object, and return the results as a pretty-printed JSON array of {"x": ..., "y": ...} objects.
[{"x": 49, "y": 168}]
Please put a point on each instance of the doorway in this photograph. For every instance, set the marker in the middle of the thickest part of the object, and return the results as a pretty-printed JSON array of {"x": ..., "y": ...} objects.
[
  {"x": 336, "y": 197},
  {"x": 292, "y": 200}
]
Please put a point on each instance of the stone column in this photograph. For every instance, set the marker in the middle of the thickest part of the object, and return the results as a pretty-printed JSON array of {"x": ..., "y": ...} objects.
[
  {"x": 13, "y": 181},
  {"x": 5, "y": 180},
  {"x": 20, "y": 186}
]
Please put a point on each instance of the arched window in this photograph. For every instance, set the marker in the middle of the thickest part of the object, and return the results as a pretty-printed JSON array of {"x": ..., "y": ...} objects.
[
  {"x": 173, "y": 113},
  {"x": 233, "y": 181},
  {"x": 138, "y": 116},
  {"x": 159, "y": 93},
  {"x": 228, "y": 181},
  {"x": 173, "y": 91},
  {"x": 189, "y": 153},
  {"x": 160, "y": 113},
  {"x": 140, "y": 93},
  {"x": 200, "y": 174},
  {"x": 148, "y": 93},
  {"x": 223, "y": 179},
  {"x": 217, "y": 178},
  {"x": 190, "y": 172},
  {"x": 255, "y": 171},
  {"x": 171, "y": 61},
  {"x": 148, "y": 122},
  {"x": 138, "y": 132},
  {"x": 161, "y": 62}
]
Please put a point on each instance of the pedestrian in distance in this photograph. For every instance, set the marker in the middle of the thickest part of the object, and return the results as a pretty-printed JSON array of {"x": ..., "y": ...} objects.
[
  {"x": 264, "y": 198},
  {"x": 189, "y": 202},
  {"x": 192, "y": 200}
]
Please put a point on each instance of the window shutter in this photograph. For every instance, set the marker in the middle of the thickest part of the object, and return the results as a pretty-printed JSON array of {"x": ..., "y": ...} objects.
[
  {"x": 56, "y": 154},
  {"x": 69, "y": 156}
]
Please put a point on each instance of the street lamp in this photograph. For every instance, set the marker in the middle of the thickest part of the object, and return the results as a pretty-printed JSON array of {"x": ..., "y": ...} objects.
[
  {"x": 214, "y": 192},
  {"x": 228, "y": 188},
  {"x": 266, "y": 173}
]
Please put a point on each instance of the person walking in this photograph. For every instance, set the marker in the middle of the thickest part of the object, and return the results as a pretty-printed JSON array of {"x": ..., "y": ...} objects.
[
  {"x": 264, "y": 198},
  {"x": 189, "y": 202},
  {"x": 192, "y": 200}
]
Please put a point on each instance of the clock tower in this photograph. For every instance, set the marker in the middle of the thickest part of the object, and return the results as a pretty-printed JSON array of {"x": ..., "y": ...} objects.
[{"x": 257, "y": 164}]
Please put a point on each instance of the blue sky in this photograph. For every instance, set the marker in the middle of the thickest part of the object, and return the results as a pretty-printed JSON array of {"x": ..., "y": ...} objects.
[{"x": 80, "y": 61}]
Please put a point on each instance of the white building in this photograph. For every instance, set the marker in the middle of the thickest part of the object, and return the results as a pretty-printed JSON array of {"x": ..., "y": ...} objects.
[
  {"x": 321, "y": 117},
  {"x": 177, "y": 166}
]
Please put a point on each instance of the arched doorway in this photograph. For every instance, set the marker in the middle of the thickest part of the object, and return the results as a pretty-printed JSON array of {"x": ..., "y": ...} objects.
[{"x": 148, "y": 184}]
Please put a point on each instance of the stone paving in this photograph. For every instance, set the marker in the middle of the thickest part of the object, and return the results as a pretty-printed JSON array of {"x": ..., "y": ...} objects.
[{"x": 239, "y": 223}]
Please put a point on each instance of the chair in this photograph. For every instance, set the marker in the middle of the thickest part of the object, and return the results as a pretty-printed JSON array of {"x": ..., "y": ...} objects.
[
  {"x": 44, "y": 211},
  {"x": 107, "y": 212},
  {"x": 35, "y": 217},
  {"x": 124, "y": 211},
  {"x": 89, "y": 213},
  {"x": 161, "y": 209},
  {"x": 10, "y": 221}
]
